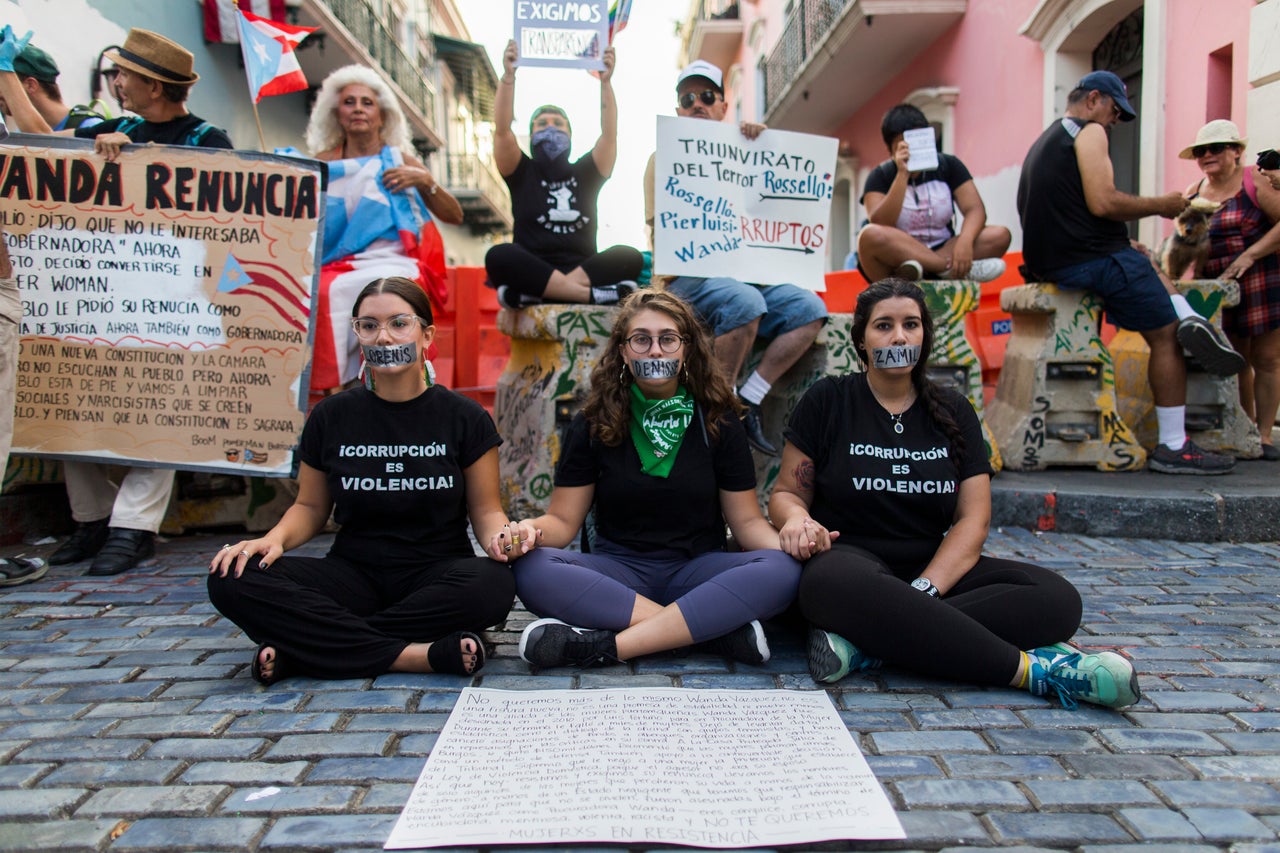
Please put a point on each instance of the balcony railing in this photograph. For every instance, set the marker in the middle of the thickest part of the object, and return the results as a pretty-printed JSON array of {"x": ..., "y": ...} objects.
[
  {"x": 360, "y": 18},
  {"x": 467, "y": 172},
  {"x": 810, "y": 21}
]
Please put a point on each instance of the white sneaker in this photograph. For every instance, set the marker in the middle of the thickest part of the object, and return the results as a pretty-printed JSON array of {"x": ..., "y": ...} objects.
[
  {"x": 986, "y": 269},
  {"x": 909, "y": 270}
]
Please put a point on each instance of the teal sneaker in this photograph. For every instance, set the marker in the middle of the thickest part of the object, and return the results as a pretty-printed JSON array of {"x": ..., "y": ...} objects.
[
  {"x": 1070, "y": 675},
  {"x": 832, "y": 657}
]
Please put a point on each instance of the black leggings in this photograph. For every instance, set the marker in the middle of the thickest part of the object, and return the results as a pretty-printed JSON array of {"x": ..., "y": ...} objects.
[
  {"x": 525, "y": 272},
  {"x": 328, "y": 617},
  {"x": 974, "y": 634}
]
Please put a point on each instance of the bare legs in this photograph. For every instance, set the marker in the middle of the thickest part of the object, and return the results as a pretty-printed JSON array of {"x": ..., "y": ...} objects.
[
  {"x": 653, "y": 628},
  {"x": 782, "y": 352},
  {"x": 1260, "y": 381},
  {"x": 883, "y": 248}
]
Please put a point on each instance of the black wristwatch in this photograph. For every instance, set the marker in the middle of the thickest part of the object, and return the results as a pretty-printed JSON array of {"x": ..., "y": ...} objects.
[{"x": 926, "y": 586}]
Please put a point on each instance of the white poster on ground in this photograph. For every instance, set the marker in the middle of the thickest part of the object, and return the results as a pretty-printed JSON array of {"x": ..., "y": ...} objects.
[
  {"x": 700, "y": 768},
  {"x": 757, "y": 210}
]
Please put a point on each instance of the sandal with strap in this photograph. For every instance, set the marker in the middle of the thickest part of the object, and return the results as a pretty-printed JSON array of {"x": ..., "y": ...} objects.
[
  {"x": 445, "y": 654},
  {"x": 20, "y": 570},
  {"x": 278, "y": 671}
]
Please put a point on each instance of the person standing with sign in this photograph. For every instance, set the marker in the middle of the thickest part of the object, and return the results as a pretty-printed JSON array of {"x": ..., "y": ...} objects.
[
  {"x": 885, "y": 491},
  {"x": 553, "y": 257},
  {"x": 116, "y": 525},
  {"x": 789, "y": 317},
  {"x": 403, "y": 465},
  {"x": 660, "y": 453}
]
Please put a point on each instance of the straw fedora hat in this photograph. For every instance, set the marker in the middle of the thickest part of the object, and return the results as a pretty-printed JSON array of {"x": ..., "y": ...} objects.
[
  {"x": 152, "y": 55},
  {"x": 1219, "y": 130}
]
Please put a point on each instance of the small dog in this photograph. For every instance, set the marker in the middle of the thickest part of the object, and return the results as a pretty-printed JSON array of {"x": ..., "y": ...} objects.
[{"x": 1188, "y": 245}]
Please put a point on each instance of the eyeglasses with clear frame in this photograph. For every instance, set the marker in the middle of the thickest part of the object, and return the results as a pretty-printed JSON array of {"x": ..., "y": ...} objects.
[
  {"x": 668, "y": 342},
  {"x": 707, "y": 96},
  {"x": 401, "y": 327}
]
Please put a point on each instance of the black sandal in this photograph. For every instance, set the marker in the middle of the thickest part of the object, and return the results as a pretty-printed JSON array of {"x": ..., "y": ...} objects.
[
  {"x": 277, "y": 672},
  {"x": 445, "y": 654},
  {"x": 20, "y": 570}
]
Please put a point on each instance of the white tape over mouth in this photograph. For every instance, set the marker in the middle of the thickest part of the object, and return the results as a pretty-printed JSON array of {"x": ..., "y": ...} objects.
[
  {"x": 390, "y": 356},
  {"x": 902, "y": 355},
  {"x": 655, "y": 368}
]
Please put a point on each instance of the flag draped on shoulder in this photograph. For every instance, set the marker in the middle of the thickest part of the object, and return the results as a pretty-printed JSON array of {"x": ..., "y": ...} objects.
[
  {"x": 220, "y": 17},
  {"x": 269, "y": 58}
]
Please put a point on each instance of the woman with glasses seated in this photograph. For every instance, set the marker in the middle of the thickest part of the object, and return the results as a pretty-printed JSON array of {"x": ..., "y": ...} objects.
[
  {"x": 1244, "y": 236},
  {"x": 658, "y": 449},
  {"x": 403, "y": 465}
]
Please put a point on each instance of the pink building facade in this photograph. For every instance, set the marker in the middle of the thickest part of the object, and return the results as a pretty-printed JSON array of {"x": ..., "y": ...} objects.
[{"x": 991, "y": 75}]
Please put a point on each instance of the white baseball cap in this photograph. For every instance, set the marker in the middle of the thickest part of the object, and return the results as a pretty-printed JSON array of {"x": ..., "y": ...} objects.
[{"x": 702, "y": 68}]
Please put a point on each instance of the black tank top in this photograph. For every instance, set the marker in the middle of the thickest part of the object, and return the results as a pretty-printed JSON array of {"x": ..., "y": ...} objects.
[{"x": 1057, "y": 228}]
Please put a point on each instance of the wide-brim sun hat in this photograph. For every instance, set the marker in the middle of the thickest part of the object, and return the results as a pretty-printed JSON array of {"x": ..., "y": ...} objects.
[
  {"x": 1219, "y": 130},
  {"x": 152, "y": 55}
]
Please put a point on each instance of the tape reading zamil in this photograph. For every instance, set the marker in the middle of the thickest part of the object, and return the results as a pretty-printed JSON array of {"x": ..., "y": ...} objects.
[
  {"x": 655, "y": 368},
  {"x": 899, "y": 356}
]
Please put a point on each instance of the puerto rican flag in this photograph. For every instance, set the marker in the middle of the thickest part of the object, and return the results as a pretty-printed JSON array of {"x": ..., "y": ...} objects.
[
  {"x": 269, "y": 59},
  {"x": 271, "y": 284},
  {"x": 220, "y": 17}
]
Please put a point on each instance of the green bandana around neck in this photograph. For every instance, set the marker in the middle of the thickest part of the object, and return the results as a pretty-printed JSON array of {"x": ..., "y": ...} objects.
[{"x": 658, "y": 427}]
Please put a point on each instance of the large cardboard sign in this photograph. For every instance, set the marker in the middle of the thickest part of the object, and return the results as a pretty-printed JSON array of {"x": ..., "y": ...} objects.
[
  {"x": 700, "y": 768},
  {"x": 167, "y": 301},
  {"x": 562, "y": 33},
  {"x": 755, "y": 210}
]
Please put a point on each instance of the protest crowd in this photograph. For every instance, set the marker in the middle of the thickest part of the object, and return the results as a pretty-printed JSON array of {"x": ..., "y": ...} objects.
[{"x": 878, "y": 547}]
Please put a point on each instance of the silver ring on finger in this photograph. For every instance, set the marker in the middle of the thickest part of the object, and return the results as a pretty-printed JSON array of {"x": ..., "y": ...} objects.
[{"x": 244, "y": 553}]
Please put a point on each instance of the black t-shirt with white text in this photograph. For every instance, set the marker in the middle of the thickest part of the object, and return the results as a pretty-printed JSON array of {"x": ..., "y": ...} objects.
[
  {"x": 395, "y": 472},
  {"x": 644, "y": 513},
  {"x": 884, "y": 491},
  {"x": 555, "y": 216}
]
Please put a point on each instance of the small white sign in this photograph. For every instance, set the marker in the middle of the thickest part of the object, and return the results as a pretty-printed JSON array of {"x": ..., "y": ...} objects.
[
  {"x": 754, "y": 209},
  {"x": 699, "y": 768},
  {"x": 923, "y": 146}
]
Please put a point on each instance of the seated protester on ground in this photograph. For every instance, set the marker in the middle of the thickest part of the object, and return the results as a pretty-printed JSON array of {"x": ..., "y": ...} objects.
[
  {"x": 116, "y": 523},
  {"x": 659, "y": 451},
  {"x": 553, "y": 255},
  {"x": 787, "y": 316},
  {"x": 911, "y": 232},
  {"x": 29, "y": 89},
  {"x": 885, "y": 490},
  {"x": 379, "y": 210},
  {"x": 401, "y": 590}
]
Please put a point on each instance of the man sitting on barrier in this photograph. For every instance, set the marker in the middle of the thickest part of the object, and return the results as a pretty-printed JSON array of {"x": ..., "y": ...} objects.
[
  {"x": 553, "y": 257},
  {"x": 789, "y": 317},
  {"x": 118, "y": 523},
  {"x": 1074, "y": 236},
  {"x": 911, "y": 231}
]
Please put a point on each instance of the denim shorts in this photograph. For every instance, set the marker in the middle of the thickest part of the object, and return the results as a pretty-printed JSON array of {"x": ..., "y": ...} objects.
[
  {"x": 724, "y": 304},
  {"x": 1131, "y": 289}
]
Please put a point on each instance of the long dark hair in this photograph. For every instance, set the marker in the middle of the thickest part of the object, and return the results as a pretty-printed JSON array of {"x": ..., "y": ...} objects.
[
  {"x": 396, "y": 285},
  {"x": 608, "y": 405},
  {"x": 889, "y": 288}
]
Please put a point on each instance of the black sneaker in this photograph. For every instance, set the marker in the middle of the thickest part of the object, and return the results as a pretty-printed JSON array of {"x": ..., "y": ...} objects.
[
  {"x": 1189, "y": 460},
  {"x": 515, "y": 300},
  {"x": 123, "y": 550},
  {"x": 85, "y": 541},
  {"x": 753, "y": 420},
  {"x": 745, "y": 645},
  {"x": 15, "y": 571},
  {"x": 549, "y": 642},
  {"x": 612, "y": 294},
  {"x": 1208, "y": 347}
]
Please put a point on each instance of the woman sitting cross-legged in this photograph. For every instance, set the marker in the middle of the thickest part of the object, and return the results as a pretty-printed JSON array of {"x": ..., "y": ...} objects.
[
  {"x": 659, "y": 450},
  {"x": 893, "y": 470},
  {"x": 402, "y": 464}
]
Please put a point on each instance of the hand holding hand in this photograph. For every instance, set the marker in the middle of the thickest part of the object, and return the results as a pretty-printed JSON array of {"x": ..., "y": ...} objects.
[
  {"x": 514, "y": 540},
  {"x": 802, "y": 538},
  {"x": 11, "y": 46},
  {"x": 235, "y": 557}
]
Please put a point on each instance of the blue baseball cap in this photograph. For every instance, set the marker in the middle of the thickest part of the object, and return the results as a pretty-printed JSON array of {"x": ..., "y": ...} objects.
[{"x": 1109, "y": 84}]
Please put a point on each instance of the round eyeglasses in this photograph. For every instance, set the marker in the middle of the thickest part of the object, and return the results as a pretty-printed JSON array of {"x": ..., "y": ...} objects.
[
  {"x": 400, "y": 327},
  {"x": 641, "y": 343},
  {"x": 707, "y": 96}
]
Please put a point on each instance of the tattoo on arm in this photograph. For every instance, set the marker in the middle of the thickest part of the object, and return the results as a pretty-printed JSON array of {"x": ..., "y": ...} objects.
[{"x": 804, "y": 475}]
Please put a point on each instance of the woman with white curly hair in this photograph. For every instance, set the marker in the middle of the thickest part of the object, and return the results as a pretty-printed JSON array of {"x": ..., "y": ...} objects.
[{"x": 379, "y": 216}]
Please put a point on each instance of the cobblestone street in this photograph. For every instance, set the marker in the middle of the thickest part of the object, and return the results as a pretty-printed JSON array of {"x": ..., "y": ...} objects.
[{"x": 129, "y": 721}]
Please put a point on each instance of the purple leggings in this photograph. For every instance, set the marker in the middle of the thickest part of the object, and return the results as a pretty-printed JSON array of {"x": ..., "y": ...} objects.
[{"x": 717, "y": 591}]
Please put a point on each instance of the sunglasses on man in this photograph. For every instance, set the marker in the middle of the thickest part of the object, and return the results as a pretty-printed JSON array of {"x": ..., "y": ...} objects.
[
  {"x": 707, "y": 96},
  {"x": 1215, "y": 149},
  {"x": 1269, "y": 159}
]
